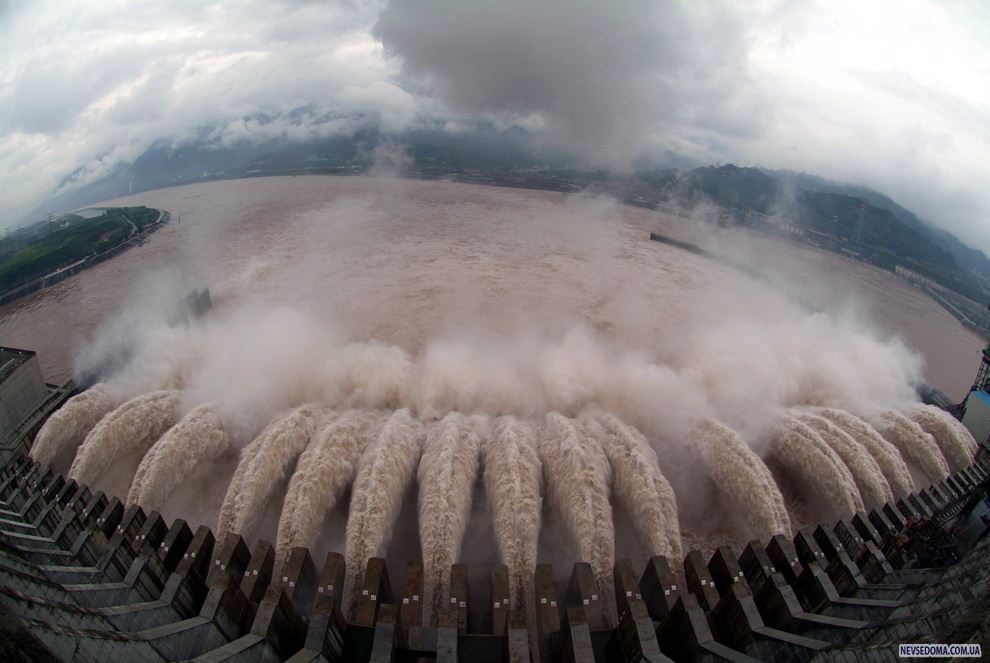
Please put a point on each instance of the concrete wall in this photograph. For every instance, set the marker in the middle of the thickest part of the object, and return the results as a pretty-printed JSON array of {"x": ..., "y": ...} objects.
[
  {"x": 20, "y": 395},
  {"x": 977, "y": 417}
]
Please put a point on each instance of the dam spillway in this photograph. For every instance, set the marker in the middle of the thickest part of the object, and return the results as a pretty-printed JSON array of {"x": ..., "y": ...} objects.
[{"x": 86, "y": 576}]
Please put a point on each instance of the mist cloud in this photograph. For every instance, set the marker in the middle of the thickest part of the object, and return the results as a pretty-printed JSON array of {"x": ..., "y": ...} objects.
[
  {"x": 886, "y": 94},
  {"x": 602, "y": 79},
  {"x": 86, "y": 88}
]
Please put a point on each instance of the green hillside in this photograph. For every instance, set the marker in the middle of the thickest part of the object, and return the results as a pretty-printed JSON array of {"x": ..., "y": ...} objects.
[
  {"x": 853, "y": 217},
  {"x": 45, "y": 247}
]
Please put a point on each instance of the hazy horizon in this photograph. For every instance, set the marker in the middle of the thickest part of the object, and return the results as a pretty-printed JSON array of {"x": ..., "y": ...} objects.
[{"x": 887, "y": 95}]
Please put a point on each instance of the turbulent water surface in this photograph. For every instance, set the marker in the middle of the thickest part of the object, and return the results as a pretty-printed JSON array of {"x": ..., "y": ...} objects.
[
  {"x": 407, "y": 257},
  {"x": 436, "y": 372}
]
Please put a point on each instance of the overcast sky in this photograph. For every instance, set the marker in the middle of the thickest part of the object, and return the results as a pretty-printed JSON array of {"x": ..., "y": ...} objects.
[{"x": 895, "y": 95}]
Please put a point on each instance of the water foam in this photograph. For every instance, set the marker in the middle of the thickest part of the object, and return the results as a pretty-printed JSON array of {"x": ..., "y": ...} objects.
[
  {"x": 263, "y": 466},
  {"x": 68, "y": 426},
  {"x": 447, "y": 471},
  {"x": 198, "y": 438},
  {"x": 914, "y": 443},
  {"x": 887, "y": 456},
  {"x": 513, "y": 477},
  {"x": 385, "y": 471},
  {"x": 872, "y": 485},
  {"x": 957, "y": 446},
  {"x": 578, "y": 475},
  {"x": 638, "y": 484},
  {"x": 136, "y": 424},
  {"x": 743, "y": 478},
  {"x": 801, "y": 452},
  {"x": 324, "y": 471}
]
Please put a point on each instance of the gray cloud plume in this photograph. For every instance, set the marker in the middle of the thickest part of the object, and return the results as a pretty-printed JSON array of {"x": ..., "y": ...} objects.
[
  {"x": 603, "y": 81},
  {"x": 891, "y": 95}
]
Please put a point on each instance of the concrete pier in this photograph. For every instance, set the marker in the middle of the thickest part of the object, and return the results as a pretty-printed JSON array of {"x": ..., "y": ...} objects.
[{"x": 83, "y": 577}]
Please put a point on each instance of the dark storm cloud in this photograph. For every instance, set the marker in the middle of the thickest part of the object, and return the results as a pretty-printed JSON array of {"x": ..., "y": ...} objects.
[
  {"x": 86, "y": 87},
  {"x": 55, "y": 91},
  {"x": 887, "y": 94},
  {"x": 602, "y": 77},
  {"x": 893, "y": 94}
]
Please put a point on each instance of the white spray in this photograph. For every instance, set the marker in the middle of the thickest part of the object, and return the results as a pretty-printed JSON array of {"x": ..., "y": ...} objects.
[
  {"x": 225, "y": 517},
  {"x": 137, "y": 424},
  {"x": 963, "y": 433},
  {"x": 743, "y": 478},
  {"x": 872, "y": 485},
  {"x": 638, "y": 483},
  {"x": 801, "y": 452},
  {"x": 198, "y": 438},
  {"x": 385, "y": 471},
  {"x": 914, "y": 443},
  {"x": 958, "y": 448},
  {"x": 325, "y": 469},
  {"x": 446, "y": 476},
  {"x": 578, "y": 476},
  {"x": 513, "y": 479},
  {"x": 266, "y": 462},
  {"x": 70, "y": 424},
  {"x": 884, "y": 453}
]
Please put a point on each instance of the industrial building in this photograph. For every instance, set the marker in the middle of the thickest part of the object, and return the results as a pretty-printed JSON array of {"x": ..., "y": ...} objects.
[
  {"x": 976, "y": 407},
  {"x": 25, "y": 399},
  {"x": 22, "y": 389}
]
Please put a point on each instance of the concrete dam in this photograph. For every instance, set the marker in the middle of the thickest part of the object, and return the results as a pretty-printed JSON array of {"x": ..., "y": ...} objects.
[{"x": 88, "y": 575}]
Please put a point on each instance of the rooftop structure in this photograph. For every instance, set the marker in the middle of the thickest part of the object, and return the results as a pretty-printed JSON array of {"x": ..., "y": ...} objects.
[
  {"x": 976, "y": 407},
  {"x": 11, "y": 359},
  {"x": 977, "y": 415},
  {"x": 22, "y": 388},
  {"x": 25, "y": 399}
]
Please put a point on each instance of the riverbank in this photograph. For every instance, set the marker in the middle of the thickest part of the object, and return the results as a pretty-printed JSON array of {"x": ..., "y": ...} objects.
[{"x": 65, "y": 271}]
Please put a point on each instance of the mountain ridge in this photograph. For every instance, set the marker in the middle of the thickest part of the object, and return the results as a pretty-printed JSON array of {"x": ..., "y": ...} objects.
[{"x": 485, "y": 154}]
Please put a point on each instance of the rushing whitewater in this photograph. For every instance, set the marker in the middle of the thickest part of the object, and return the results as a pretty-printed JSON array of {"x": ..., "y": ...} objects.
[
  {"x": 263, "y": 466},
  {"x": 362, "y": 294},
  {"x": 872, "y": 485},
  {"x": 888, "y": 458},
  {"x": 914, "y": 443},
  {"x": 325, "y": 470},
  {"x": 137, "y": 424},
  {"x": 802, "y": 453},
  {"x": 513, "y": 479},
  {"x": 578, "y": 477},
  {"x": 447, "y": 471},
  {"x": 198, "y": 438},
  {"x": 638, "y": 484},
  {"x": 953, "y": 439},
  {"x": 68, "y": 426},
  {"x": 961, "y": 431},
  {"x": 385, "y": 471},
  {"x": 742, "y": 478}
]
